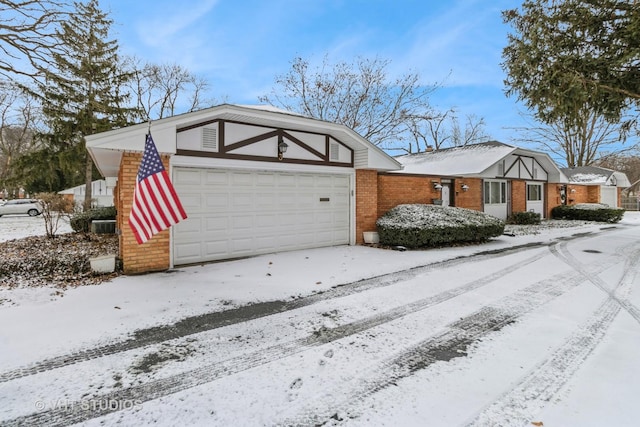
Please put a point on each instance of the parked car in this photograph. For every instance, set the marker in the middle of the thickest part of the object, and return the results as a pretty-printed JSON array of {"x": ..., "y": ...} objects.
[{"x": 31, "y": 207}]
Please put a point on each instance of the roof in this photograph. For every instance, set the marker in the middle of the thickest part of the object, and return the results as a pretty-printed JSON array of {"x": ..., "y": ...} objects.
[
  {"x": 596, "y": 175},
  {"x": 465, "y": 160},
  {"x": 106, "y": 148},
  {"x": 473, "y": 160}
]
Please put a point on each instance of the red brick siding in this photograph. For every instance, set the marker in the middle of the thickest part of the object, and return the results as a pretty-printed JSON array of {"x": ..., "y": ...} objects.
[
  {"x": 472, "y": 198},
  {"x": 366, "y": 202},
  {"x": 152, "y": 255},
  {"x": 518, "y": 196},
  {"x": 394, "y": 190}
]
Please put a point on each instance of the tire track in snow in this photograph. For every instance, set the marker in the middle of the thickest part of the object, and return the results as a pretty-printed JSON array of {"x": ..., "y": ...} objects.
[
  {"x": 470, "y": 328},
  {"x": 629, "y": 272},
  {"x": 452, "y": 342},
  {"x": 520, "y": 405},
  {"x": 206, "y": 322}
]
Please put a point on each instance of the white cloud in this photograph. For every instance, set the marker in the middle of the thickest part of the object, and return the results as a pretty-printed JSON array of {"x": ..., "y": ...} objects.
[{"x": 171, "y": 19}]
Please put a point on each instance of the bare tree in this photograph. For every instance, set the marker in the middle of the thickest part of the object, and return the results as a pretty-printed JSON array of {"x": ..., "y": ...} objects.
[
  {"x": 54, "y": 208},
  {"x": 27, "y": 34},
  {"x": 164, "y": 90},
  {"x": 629, "y": 164},
  {"x": 473, "y": 133},
  {"x": 359, "y": 95},
  {"x": 19, "y": 118},
  {"x": 442, "y": 130},
  {"x": 578, "y": 145}
]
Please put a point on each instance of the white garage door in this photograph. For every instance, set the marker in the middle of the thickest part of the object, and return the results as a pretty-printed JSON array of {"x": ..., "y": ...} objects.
[{"x": 233, "y": 213}]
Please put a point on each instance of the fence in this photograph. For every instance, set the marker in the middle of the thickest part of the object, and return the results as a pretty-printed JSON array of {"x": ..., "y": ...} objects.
[{"x": 630, "y": 203}]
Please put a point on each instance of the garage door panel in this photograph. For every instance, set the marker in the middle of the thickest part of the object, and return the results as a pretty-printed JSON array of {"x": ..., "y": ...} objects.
[
  {"x": 191, "y": 202},
  {"x": 216, "y": 178},
  {"x": 186, "y": 177},
  {"x": 190, "y": 225},
  {"x": 286, "y": 181},
  {"x": 217, "y": 224},
  {"x": 265, "y": 179},
  {"x": 241, "y": 213},
  {"x": 216, "y": 202},
  {"x": 188, "y": 251}
]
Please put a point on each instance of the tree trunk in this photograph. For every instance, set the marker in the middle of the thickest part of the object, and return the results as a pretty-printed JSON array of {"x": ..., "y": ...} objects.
[{"x": 88, "y": 178}]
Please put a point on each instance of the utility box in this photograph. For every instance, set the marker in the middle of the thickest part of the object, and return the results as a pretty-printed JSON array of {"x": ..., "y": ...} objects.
[{"x": 103, "y": 226}]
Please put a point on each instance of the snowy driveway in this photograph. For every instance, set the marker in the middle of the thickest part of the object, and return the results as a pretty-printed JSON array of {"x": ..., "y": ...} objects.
[{"x": 544, "y": 332}]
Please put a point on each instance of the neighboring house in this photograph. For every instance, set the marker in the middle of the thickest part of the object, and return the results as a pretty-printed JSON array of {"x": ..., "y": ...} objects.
[
  {"x": 591, "y": 184},
  {"x": 101, "y": 194},
  {"x": 492, "y": 177},
  {"x": 252, "y": 181}
]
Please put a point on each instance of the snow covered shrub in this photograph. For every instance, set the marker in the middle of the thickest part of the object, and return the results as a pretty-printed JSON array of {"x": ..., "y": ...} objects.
[
  {"x": 416, "y": 226},
  {"x": 588, "y": 212},
  {"x": 524, "y": 218},
  {"x": 81, "y": 223}
]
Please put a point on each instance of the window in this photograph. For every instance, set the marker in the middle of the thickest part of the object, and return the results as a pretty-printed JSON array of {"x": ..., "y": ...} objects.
[
  {"x": 334, "y": 152},
  {"x": 534, "y": 192},
  {"x": 495, "y": 192}
]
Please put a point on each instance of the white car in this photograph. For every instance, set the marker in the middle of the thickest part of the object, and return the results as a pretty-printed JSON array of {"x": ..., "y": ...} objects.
[{"x": 29, "y": 207}]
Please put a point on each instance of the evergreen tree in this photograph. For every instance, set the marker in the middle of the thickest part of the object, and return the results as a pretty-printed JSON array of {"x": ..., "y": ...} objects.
[{"x": 81, "y": 94}]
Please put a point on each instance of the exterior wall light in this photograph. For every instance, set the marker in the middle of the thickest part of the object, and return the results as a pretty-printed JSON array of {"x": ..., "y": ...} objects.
[
  {"x": 465, "y": 187},
  {"x": 282, "y": 148},
  {"x": 436, "y": 185}
]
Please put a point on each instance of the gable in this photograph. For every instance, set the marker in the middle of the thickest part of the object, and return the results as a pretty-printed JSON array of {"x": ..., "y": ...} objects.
[
  {"x": 517, "y": 166},
  {"x": 245, "y": 141},
  {"x": 237, "y": 132}
]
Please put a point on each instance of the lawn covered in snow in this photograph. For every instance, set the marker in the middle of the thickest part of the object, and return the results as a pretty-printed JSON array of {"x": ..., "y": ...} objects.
[{"x": 47, "y": 322}]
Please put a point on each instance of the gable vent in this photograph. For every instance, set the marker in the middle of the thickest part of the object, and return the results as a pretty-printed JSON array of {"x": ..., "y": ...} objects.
[
  {"x": 334, "y": 151},
  {"x": 209, "y": 139}
]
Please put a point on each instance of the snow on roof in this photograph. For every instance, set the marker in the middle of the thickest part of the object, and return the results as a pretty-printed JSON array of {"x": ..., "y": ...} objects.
[
  {"x": 271, "y": 108},
  {"x": 588, "y": 174},
  {"x": 596, "y": 175},
  {"x": 470, "y": 159},
  {"x": 591, "y": 178}
]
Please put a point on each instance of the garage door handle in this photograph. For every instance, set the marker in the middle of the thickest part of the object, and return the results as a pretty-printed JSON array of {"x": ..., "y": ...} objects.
[{"x": 324, "y": 199}]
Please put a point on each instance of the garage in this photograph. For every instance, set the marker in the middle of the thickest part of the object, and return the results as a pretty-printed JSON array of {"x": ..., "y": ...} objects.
[
  {"x": 252, "y": 179},
  {"x": 237, "y": 213}
]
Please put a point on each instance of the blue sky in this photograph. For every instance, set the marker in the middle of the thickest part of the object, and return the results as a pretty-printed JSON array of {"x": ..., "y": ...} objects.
[{"x": 240, "y": 46}]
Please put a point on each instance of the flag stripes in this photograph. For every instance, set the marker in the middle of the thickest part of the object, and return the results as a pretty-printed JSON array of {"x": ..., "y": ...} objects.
[{"x": 156, "y": 205}]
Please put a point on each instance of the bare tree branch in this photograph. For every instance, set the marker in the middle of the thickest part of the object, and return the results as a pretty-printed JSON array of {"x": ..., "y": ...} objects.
[{"x": 27, "y": 35}]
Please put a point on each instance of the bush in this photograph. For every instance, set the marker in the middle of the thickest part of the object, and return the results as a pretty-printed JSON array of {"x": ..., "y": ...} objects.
[
  {"x": 524, "y": 218},
  {"x": 54, "y": 208},
  {"x": 416, "y": 226},
  {"x": 588, "y": 212},
  {"x": 81, "y": 223}
]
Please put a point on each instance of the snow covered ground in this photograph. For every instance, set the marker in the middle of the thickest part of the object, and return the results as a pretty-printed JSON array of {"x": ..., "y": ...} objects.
[
  {"x": 549, "y": 332},
  {"x": 19, "y": 226}
]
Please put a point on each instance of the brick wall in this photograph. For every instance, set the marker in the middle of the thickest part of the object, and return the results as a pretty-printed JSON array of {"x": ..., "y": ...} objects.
[
  {"x": 152, "y": 255},
  {"x": 593, "y": 194},
  {"x": 518, "y": 196},
  {"x": 366, "y": 202},
  {"x": 581, "y": 194},
  {"x": 472, "y": 198},
  {"x": 395, "y": 189},
  {"x": 552, "y": 197}
]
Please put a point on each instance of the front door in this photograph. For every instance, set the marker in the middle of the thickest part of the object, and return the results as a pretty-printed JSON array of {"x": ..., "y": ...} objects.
[
  {"x": 495, "y": 198},
  {"x": 535, "y": 198},
  {"x": 446, "y": 194}
]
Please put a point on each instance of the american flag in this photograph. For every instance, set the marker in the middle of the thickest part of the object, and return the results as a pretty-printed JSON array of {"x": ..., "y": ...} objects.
[{"x": 156, "y": 206}]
